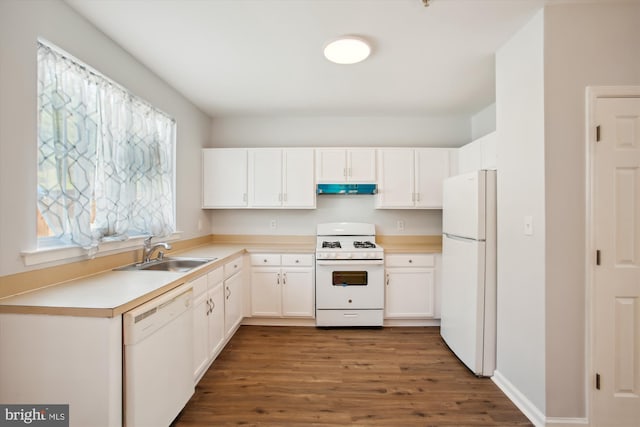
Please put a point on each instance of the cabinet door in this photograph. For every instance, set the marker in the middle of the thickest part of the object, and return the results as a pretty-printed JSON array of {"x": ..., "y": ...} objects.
[
  {"x": 298, "y": 292},
  {"x": 299, "y": 179},
  {"x": 396, "y": 174},
  {"x": 331, "y": 165},
  {"x": 200, "y": 334},
  {"x": 224, "y": 178},
  {"x": 409, "y": 293},
  {"x": 470, "y": 157},
  {"x": 361, "y": 165},
  {"x": 232, "y": 303},
  {"x": 432, "y": 167},
  {"x": 216, "y": 320},
  {"x": 265, "y": 291},
  {"x": 265, "y": 178}
]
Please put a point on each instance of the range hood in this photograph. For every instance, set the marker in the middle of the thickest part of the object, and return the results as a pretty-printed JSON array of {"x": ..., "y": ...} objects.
[{"x": 347, "y": 189}]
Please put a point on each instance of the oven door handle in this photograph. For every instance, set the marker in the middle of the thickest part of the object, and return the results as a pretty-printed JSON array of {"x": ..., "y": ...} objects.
[{"x": 350, "y": 262}]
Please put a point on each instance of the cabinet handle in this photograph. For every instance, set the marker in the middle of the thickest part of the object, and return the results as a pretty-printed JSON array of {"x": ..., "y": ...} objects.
[
  {"x": 285, "y": 197},
  {"x": 279, "y": 197},
  {"x": 344, "y": 172},
  {"x": 387, "y": 279},
  {"x": 278, "y": 279},
  {"x": 208, "y": 307},
  {"x": 264, "y": 260},
  {"x": 350, "y": 172},
  {"x": 410, "y": 261},
  {"x": 417, "y": 197},
  {"x": 213, "y": 305},
  {"x": 244, "y": 197},
  {"x": 228, "y": 292},
  {"x": 297, "y": 261},
  {"x": 284, "y": 279}
]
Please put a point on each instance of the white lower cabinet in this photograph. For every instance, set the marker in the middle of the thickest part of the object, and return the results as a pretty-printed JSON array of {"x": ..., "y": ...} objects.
[
  {"x": 233, "y": 295},
  {"x": 409, "y": 286},
  {"x": 282, "y": 285},
  {"x": 208, "y": 320}
]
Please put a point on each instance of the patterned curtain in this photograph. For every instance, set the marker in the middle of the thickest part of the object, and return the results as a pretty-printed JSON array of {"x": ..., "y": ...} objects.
[{"x": 105, "y": 159}]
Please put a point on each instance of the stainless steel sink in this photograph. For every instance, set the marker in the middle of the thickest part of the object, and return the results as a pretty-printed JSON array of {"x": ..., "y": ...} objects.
[{"x": 169, "y": 264}]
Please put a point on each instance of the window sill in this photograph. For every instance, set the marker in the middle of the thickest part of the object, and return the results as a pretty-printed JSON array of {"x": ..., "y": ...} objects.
[{"x": 74, "y": 253}]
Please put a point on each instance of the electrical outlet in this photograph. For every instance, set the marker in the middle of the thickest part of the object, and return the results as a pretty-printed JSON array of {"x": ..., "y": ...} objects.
[
  {"x": 400, "y": 225},
  {"x": 274, "y": 224}
]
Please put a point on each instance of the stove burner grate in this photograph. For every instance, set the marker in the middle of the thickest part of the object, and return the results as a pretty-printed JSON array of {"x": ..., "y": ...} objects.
[
  {"x": 364, "y": 245},
  {"x": 331, "y": 245}
]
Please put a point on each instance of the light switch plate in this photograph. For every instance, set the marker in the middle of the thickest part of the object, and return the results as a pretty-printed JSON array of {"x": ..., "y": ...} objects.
[{"x": 528, "y": 225}]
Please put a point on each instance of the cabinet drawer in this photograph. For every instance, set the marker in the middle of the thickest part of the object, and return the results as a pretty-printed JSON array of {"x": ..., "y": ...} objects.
[
  {"x": 410, "y": 260},
  {"x": 297, "y": 260},
  {"x": 265, "y": 259},
  {"x": 232, "y": 267},
  {"x": 215, "y": 276}
]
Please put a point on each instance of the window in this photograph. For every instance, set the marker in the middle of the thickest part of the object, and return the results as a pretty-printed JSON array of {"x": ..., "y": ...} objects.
[{"x": 105, "y": 158}]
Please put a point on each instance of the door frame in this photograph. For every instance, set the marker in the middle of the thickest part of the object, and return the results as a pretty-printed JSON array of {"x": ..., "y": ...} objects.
[{"x": 593, "y": 93}]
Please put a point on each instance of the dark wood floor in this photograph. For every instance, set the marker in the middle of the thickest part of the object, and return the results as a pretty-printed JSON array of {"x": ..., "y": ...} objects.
[{"x": 288, "y": 376}]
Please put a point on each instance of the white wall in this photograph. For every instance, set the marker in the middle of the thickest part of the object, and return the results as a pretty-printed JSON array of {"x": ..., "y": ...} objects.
[
  {"x": 585, "y": 44},
  {"x": 483, "y": 122},
  {"x": 325, "y": 131},
  {"x": 521, "y": 186},
  {"x": 21, "y": 23},
  {"x": 279, "y": 131},
  {"x": 330, "y": 208}
]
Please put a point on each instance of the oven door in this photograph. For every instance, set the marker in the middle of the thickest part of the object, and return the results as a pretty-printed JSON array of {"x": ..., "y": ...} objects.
[{"x": 349, "y": 284}]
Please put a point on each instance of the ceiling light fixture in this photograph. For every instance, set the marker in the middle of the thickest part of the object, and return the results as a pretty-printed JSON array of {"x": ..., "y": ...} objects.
[{"x": 347, "y": 50}]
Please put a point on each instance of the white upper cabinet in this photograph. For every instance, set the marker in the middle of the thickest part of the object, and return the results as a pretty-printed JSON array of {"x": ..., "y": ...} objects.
[
  {"x": 478, "y": 154},
  {"x": 412, "y": 178},
  {"x": 339, "y": 165},
  {"x": 396, "y": 174},
  {"x": 431, "y": 168},
  {"x": 224, "y": 178},
  {"x": 265, "y": 178},
  {"x": 281, "y": 178}
]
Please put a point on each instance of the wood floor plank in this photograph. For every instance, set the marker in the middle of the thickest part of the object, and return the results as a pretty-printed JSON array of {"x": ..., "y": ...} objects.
[{"x": 302, "y": 376}]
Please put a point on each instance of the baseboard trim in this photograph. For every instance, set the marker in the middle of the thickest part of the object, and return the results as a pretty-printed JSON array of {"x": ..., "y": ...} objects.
[
  {"x": 530, "y": 410},
  {"x": 566, "y": 422},
  {"x": 525, "y": 405}
]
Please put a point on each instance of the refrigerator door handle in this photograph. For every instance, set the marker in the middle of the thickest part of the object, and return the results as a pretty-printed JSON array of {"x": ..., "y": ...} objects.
[{"x": 463, "y": 239}]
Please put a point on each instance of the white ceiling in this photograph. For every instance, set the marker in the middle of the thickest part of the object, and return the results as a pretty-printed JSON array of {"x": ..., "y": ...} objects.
[{"x": 264, "y": 57}]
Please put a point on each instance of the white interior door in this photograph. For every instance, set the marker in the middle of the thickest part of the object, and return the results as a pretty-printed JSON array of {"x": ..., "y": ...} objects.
[{"x": 616, "y": 280}]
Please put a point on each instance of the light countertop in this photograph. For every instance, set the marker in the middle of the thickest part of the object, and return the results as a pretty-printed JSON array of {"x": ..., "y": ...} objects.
[{"x": 111, "y": 293}]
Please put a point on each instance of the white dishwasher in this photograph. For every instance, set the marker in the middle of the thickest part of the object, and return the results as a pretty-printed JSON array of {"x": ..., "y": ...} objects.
[{"x": 158, "y": 358}]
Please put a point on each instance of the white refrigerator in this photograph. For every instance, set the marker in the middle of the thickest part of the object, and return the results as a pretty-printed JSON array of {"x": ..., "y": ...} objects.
[{"x": 468, "y": 318}]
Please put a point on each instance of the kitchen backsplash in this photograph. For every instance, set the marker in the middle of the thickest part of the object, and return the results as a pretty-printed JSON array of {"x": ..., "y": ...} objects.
[{"x": 329, "y": 208}]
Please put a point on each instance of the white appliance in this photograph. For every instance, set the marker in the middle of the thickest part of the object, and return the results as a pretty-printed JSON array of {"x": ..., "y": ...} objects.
[
  {"x": 158, "y": 359},
  {"x": 468, "y": 317},
  {"x": 349, "y": 275}
]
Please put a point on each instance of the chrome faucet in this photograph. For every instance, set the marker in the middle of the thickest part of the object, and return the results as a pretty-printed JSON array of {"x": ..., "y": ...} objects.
[{"x": 148, "y": 249}]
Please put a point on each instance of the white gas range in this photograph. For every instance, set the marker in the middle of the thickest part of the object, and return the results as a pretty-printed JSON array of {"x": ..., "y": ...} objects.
[{"x": 349, "y": 275}]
